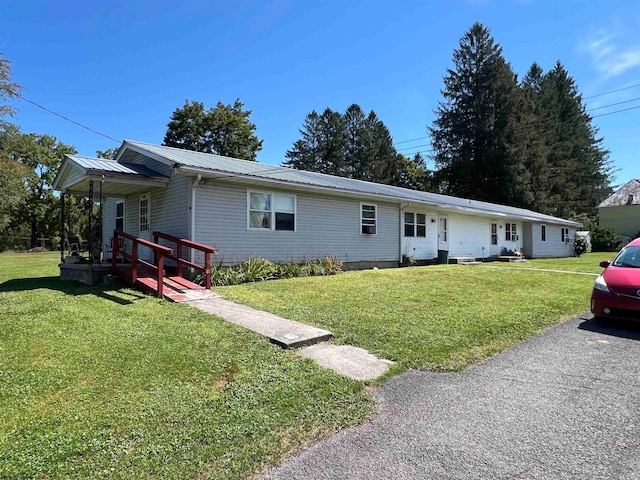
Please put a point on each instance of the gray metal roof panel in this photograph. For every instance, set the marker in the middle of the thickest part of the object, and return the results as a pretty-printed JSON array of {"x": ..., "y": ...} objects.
[
  {"x": 111, "y": 166},
  {"x": 234, "y": 166}
]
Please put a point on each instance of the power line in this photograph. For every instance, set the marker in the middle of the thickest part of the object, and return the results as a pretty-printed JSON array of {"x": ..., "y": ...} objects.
[
  {"x": 616, "y": 111},
  {"x": 613, "y": 104},
  {"x": 412, "y": 140},
  {"x": 413, "y": 147},
  {"x": 612, "y": 91},
  {"x": 68, "y": 119}
]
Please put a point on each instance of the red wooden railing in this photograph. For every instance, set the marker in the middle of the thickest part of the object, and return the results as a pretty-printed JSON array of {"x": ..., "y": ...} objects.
[
  {"x": 159, "y": 252},
  {"x": 183, "y": 262}
]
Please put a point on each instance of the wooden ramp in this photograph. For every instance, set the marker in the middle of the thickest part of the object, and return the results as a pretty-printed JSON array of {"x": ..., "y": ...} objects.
[
  {"x": 175, "y": 289},
  {"x": 150, "y": 275}
]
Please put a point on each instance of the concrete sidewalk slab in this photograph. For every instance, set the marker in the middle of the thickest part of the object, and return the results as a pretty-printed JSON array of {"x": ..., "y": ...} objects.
[
  {"x": 286, "y": 333},
  {"x": 347, "y": 360}
]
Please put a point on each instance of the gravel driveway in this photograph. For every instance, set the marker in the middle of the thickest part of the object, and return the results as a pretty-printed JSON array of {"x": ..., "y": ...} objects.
[{"x": 563, "y": 404}]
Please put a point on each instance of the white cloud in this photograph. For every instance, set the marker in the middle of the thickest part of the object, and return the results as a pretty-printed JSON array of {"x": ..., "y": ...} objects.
[{"x": 613, "y": 50}]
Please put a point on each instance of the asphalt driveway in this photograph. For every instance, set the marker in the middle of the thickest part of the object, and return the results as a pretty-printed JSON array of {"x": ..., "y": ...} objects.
[{"x": 563, "y": 404}]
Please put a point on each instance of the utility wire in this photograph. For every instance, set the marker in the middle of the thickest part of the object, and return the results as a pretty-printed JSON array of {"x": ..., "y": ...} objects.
[
  {"x": 612, "y": 91},
  {"x": 613, "y": 104},
  {"x": 412, "y": 140},
  {"x": 68, "y": 119},
  {"x": 616, "y": 111}
]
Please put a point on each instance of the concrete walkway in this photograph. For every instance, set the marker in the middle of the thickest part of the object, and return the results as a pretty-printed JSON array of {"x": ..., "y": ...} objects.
[{"x": 346, "y": 360}]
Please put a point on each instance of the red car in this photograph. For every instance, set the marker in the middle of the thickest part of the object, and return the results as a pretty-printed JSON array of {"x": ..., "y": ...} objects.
[{"x": 616, "y": 293}]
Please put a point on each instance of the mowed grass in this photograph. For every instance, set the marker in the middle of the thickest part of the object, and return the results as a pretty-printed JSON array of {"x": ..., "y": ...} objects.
[
  {"x": 440, "y": 318},
  {"x": 587, "y": 262},
  {"x": 104, "y": 382}
]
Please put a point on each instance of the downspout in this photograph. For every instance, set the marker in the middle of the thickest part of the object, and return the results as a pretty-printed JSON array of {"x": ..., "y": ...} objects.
[{"x": 193, "y": 214}]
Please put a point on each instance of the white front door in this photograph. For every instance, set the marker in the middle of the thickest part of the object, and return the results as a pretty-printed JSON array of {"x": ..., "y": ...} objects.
[
  {"x": 443, "y": 233},
  {"x": 144, "y": 225},
  {"x": 494, "y": 250}
]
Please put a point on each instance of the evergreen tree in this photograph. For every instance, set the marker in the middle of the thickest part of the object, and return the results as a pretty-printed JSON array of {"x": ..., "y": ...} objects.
[
  {"x": 470, "y": 132},
  {"x": 224, "y": 130},
  {"x": 579, "y": 171},
  {"x": 355, "y": 146}
]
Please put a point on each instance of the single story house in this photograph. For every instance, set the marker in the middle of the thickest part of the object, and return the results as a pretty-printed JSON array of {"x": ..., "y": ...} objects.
[
  {"x": 621, "y": 210},
  {"x": 246, "y": 208}
]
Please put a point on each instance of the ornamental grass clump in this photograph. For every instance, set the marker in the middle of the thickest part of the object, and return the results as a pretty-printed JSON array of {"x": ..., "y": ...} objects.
[{"x": 257, "y": 269}]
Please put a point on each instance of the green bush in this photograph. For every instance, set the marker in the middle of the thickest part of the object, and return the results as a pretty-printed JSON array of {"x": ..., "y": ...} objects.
[
  {"x": 581, "y": 245},
  {"x": 256, "y": 269},
  {"x": 603, "y": 239}
]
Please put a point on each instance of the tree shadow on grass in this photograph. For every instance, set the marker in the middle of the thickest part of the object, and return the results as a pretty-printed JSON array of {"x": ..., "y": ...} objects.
[
  {"x": 71, "y": 288},
  {"x": 614, "y": 328}
]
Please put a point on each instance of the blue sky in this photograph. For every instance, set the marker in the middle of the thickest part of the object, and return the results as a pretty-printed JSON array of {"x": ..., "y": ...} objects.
[{"x": 123, "y": 67}]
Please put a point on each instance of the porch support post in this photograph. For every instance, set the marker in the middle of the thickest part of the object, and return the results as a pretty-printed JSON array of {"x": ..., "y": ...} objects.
[
  {"x": 62, "y": 232},
  {"x": 91, "y": 223},
  {"x": 101, "y": 213}
]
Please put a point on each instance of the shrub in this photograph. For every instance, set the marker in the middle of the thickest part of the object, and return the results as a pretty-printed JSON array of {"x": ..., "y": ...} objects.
[
  {"x": 332, "y": 265},
  {"x": 581, "y": 245},
  {"x": 256, "y": 269},
  {"x": 603, "y": 239},
  {"x": 408, "y": 261}
]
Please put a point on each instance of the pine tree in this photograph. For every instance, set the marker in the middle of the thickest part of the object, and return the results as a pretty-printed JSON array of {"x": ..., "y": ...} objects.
[
  {"x": 470, "y": 132},
  {"x": 355, "y": 146},
  {"x": 579, "y": 165}
]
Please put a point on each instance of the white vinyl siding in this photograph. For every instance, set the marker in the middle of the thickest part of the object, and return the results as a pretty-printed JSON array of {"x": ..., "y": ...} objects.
[
  {"x": 554, "y": 246},
  {"x": 325, "y": 225}
]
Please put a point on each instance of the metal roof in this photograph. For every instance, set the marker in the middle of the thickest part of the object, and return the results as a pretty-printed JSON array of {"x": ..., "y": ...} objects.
[
  {"x": 111, "y": 166},
  {"x": 206, "y": 163},
  {"x": 628, "y": 194}
]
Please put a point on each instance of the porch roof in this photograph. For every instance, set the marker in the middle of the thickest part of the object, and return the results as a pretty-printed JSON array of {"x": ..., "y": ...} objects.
[{"x": 118, "y": 179}]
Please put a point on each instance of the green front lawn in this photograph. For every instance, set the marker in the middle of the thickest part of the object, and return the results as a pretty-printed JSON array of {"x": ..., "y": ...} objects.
[
  {"x": 587, "y": 262},
  {"x": 441, "y": 318},
  {"x": 103, "y": 382}
]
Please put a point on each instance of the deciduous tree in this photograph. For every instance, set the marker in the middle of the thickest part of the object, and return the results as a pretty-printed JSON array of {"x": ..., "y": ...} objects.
[{"x": 224, "y": 130}]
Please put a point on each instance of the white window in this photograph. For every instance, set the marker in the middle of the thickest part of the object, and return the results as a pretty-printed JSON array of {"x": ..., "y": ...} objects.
[
  {"x": 494, "y": 234},
  {"x": 543, "y": 233},
  {"x": 120, "y": 216},
  {"x": 564, "y": 235},
  {"x": 368, "y": 219},
  {"x": 510, "y": 232},
  {"x": 415, "y": 224},
  {"x": 271, "y": 211},
  {"x": 144, "y": 215}
]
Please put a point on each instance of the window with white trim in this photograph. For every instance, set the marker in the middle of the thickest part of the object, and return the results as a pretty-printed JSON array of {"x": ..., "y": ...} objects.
[
  {"x": 368, "y": 219},
  {"x": 271, "y": 211},
  {"x": 120, "y": 216},
  {"x": 564, "y": 234},
  {"x": 510, "y": 232},
  {"x": 543, "y": 233},
  {"x": 494, "y": 234},
  {"x": 415, "y": 224}
]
